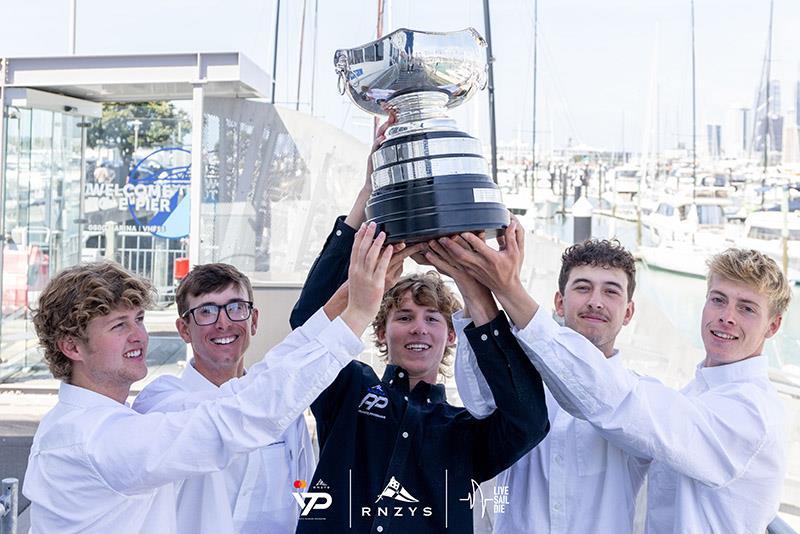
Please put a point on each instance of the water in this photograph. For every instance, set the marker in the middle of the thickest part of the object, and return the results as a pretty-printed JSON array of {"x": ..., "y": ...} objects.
[{"x": 679, "y": 297}]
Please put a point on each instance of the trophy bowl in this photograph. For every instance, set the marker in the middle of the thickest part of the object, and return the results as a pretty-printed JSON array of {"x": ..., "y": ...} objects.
[{"x": 430, "y": 179}]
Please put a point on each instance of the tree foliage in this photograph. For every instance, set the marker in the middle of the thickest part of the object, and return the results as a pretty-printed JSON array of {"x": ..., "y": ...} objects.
[{"x": 160, "y": 125}]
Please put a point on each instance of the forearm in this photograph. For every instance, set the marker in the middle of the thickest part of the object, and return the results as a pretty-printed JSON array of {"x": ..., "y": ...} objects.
[
  {"x": 327, "y": 274},
  {"x": 358, "y": 213},
  {"x": 520, "y": 420},
  {"x": 518, "y": 304},
  {"x": 642, "y": 416},
  {"x": 153, "y": 446}
]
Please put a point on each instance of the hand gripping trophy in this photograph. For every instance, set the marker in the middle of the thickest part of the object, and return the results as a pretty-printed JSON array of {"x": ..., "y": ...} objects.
[{"x": 429, "y": 178}]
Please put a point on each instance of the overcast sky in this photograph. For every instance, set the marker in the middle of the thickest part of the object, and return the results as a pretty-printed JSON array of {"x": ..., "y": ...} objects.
[{"x": 596, "y": 58}]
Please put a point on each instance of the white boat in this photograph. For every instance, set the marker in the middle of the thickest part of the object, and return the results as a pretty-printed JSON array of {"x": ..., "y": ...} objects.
[{"x": 763, "y": 231}]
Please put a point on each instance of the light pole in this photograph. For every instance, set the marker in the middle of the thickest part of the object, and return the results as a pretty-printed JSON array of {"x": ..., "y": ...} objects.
[{"x": 135, "y": 123}]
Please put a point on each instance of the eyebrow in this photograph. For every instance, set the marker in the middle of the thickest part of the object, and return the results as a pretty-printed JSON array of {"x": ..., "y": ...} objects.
[
  {"x": 587, "y": 281},
  {"x": 207, "y": 303}
]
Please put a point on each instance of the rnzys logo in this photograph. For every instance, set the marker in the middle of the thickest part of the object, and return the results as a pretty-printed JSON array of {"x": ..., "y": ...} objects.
[
  {"x": 374, "y": 400},
  {"x": 312, "y": 500}
]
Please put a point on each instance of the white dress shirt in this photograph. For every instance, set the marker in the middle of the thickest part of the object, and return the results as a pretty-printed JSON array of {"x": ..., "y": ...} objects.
[
  {"x": 257, "y": 486},
  {"x": 718, "y": 459},
  {"x": 97, "y": 466},
  {"x": 573, "y": 482}
]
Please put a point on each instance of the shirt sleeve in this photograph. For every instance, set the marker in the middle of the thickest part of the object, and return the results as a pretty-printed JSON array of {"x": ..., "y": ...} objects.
[
  {"x": 168, "y": 394},
  {"x": 134, "y": 453},
  {"x": 520, "y": 421},
  {"x": 473, "y": 389},
  {"x": 711, "y": 437},
  {"x": 328, "y": 272}
]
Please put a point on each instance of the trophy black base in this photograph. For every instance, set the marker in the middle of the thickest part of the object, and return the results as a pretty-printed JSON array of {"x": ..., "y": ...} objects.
[{"x": 424, "y": 209}]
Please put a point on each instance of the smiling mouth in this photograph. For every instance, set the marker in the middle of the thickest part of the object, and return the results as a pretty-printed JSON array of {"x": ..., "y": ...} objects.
[
  {"x": 417, "y": 347},
  {"x": 594, "y": 318},
  {"x": 132, "y": 354},
  {"x": 224, "y": 340},
  {"x": 723, "y": 335}
]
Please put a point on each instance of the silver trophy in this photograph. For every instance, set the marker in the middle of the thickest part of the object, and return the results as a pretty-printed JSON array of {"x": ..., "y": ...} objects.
[{"x": 429, "y": 178}]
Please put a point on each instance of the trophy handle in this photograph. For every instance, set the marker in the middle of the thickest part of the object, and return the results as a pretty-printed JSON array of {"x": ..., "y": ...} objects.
[{"x": 342, "y": 68}]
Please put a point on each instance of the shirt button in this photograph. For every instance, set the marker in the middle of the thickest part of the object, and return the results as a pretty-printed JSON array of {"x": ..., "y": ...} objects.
[
  {"x": 559, "y": 458},
  {"x": 497, "y": 332},
  {"x": 556, "y": 507},
  {"x": 391, "y": 382},
  {"x": 405, "y": 397},
  {"x": 338, "y": 233},
  {"x": 379, "y": 529},
  {"x": 429, "y": 401},
  {"x": 405, "y": 434},
  {"x": 484, "y": 337},
  {"x": 401, "y": 374}
]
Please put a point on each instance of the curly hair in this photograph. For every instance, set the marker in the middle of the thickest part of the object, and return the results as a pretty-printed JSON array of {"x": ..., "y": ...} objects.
[
  {"x": 77, "y": 295},
  {"x": 598, "y": 253},
  {"x": 426, "y": 289},
  {"x": 209, "y": 278},
  {"x": 755, "y": 269}
]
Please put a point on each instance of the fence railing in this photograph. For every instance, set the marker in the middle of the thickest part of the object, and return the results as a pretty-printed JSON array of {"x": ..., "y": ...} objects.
[{"x": 9, "y": 503}]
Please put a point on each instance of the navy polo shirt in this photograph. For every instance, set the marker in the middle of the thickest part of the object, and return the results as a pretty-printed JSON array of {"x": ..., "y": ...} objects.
[{"x": 400, "y": 460}]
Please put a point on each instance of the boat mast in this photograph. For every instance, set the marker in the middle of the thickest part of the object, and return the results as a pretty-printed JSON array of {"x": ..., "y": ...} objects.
[
  {"x": 490, "y": 60},
  {"x": 766, "y": 109},
  {"x": 300, "y": 58},
  {"x": 314, "y": 54},
  {"x": 378, "y": 34},
  {"x": 535, "y": 76},
  {"x": 275, "y": 48},
  {"x": 694, "y": 118}
]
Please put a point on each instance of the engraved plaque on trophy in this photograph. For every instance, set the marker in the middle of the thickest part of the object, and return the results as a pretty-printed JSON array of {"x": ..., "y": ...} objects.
[{"x": 429, "y": 179}]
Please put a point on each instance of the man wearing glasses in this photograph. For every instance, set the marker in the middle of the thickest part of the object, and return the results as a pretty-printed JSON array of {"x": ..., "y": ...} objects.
[{"x": 217, "y": 317}]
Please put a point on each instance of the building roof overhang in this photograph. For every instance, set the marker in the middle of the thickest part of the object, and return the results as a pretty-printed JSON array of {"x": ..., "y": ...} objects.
[{"x": 138, "y": 78}]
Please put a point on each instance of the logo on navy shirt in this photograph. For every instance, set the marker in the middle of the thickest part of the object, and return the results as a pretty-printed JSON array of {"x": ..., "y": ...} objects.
[
  {"x": 394, "y": 490},
  {"x": 373, "y": 401}
]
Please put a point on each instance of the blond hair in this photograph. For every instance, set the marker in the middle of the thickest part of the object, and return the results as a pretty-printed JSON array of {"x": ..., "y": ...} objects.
[
  {"x": 77, "y": 295},
  {"x": 756, "y": 270},
  {"x": 426, "y": 289}
]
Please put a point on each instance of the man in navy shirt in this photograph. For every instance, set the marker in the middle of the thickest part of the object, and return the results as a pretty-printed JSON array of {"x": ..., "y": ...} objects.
[{"x": 394, "y": 455}]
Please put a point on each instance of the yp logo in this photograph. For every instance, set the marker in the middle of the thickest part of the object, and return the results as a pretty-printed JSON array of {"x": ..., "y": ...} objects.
[{"x": 311, "y": 500}]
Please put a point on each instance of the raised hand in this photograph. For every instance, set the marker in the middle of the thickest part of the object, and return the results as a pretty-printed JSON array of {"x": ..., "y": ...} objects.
[
  {"x": 366, "y": 277},
  {"x": 496, "y": 269},
  {"x": 478, "y": 300}
]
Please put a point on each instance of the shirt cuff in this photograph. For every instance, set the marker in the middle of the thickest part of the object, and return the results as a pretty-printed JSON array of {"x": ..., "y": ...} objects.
[
  {"x": 315, "y": 324},
  {"x": 541, "y": 329},
  {"x": 340, "y": 341},
  {"x": 481, "y": 337}
]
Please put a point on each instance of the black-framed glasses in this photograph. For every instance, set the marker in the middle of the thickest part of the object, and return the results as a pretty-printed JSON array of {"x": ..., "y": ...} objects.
[{"x": 207, "y": 314}]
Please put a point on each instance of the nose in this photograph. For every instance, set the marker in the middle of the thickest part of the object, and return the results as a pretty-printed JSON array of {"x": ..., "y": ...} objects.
[
  {"x": 726, "y": 315},
  {"x": 419, "y": 327},
  {"x": 595, "y": 300},
  {"x": 222, "y": 320},
  {"x": 138, "y": 334}
]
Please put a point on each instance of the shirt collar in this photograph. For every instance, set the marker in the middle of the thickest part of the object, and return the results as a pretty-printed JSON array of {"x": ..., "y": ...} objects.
[
  {"x": 397, "y": 378},
  {"x": 84, "y": 398},
  {"x": 755, "y": 367},
  {"x": 195, "y": 380}
]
